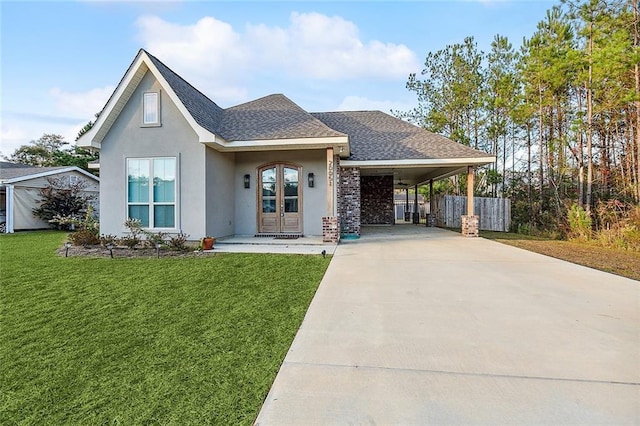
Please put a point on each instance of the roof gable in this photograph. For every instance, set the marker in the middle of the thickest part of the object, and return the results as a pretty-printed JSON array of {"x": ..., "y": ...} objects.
[
  {"x": 204, "y": 111},
  {"x": 200, "y": 112}
]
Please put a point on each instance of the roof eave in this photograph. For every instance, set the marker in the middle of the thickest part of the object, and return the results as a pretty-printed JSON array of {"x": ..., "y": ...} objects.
[
  {"x": 339, "y": 143},
  {"x": 449, "y": 162},
  {"x": 50, "y": 173}
]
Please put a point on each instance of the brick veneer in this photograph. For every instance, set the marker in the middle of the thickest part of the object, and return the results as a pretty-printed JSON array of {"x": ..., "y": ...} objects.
[
  {"x": 330, "y": 229},
  {"x": 470, "y": 225},
  {"x": 349, "y": 200},
  {"x": 376, "y": 200}
]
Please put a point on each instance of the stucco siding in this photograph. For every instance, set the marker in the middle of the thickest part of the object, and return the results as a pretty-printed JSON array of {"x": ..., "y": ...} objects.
[
  {"x": 314, "y": 205},
  {"x": 127, "y": 138},
  {"x": 220, "y": 190}
]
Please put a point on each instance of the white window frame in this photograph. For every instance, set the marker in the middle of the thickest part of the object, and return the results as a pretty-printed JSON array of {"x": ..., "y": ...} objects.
[
  {"x": 157, "y": 122},
  {"x": 151, "y": 203},
  {"x": 73, "y": 179}
]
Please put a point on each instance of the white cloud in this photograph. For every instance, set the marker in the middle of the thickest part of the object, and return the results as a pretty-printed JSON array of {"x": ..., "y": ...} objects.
[
  {"x": 12, "y": 137},
  {"x": 81, "y": 104},
  {"x": 358, "y": 103},
  {"x": 219, "y": 59}
]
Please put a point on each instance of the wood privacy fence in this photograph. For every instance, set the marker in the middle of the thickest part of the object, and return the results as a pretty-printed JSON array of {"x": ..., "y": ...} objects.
[{"x": 495, "y": 213}]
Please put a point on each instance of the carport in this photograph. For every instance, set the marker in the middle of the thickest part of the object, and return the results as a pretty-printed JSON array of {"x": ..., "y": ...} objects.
[{"x": 387, "y": 153}]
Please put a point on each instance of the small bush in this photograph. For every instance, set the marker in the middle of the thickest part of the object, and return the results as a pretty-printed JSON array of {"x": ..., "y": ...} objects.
[
  {"x": 84, "y": 237},
  {"x": 579, "y": 223},
  {"x": 178, "y": 242},
  {"x": 130, "y": 241},
  {"x": 105, "y": 240},
  {"x": 153, "y": 239}
]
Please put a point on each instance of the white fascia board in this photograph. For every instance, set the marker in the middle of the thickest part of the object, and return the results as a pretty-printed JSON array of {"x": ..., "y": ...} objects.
[
  {"x": 51, "y": 173},
  {"x": 88, "y": 140},
  {"x": 336, "y": 142},
  {"x": 452, "y": 162}
]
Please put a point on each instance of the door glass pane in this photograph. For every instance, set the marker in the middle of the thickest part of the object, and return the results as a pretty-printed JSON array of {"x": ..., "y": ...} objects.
[
  {"x": 163, "y": 217},
  {"x": 268, "y": 205},
  {"x": 164, "y": 180},
  {"x": 269, "y": 190},
  {"x": 138, "y": 181},
  {"x": 290, "y": 190},
  {"x": 291, "y": 205},
  {"x": 141, "y": 213}
]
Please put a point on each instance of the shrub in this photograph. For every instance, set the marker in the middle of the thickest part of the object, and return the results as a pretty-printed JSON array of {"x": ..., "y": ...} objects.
[
  {"x": 130, "y": 241},
  {"x": 153, "y": 239},
  {"x": 87, "y": 228},
  {"x": 178, "y": 242},
  {"x": 579, "y": 223},
  {"x": 105, "y": 240},
  {"x": 61, "y": 199},
  {"x": 84, "y": 237}
]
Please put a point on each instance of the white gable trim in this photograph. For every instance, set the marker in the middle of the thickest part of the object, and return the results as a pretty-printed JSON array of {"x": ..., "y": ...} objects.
[
  {"x": 50, "y": 173},
  {"x": 141, "y": 64}
]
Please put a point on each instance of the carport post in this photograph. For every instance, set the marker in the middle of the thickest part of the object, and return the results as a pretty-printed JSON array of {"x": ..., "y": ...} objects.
[
  {"x": 416, "y": 212},
  {"x": 470, "y": 223},
  {"x": 431, "y": 218},
  {"x": 470, "y": 177}
]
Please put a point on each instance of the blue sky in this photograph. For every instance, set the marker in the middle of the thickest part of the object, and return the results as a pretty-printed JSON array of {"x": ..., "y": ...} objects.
[{"x": 60, "y": 61}]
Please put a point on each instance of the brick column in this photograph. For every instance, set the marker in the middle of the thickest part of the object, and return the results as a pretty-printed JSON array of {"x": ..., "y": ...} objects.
[
  {"x": 330, "y": 229},
  {"x": 349, "y": 209}
]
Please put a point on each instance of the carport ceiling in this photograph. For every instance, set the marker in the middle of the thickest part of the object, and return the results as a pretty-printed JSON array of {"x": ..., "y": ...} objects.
[{"x": 414, "y": 175}]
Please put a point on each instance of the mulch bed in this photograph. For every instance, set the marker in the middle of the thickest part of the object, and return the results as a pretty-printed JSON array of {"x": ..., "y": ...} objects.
[{"x": 124, "y": 252}]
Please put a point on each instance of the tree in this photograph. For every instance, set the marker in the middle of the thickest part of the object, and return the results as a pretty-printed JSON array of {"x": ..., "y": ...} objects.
[{"x": 52, "y": 150}]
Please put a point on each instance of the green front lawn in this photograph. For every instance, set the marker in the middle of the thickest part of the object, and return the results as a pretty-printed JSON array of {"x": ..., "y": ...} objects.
[{"x": 144, "y": 340}]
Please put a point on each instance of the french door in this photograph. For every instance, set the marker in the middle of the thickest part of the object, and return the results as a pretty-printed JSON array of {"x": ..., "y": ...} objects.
[{"x": 280, "y": 199}]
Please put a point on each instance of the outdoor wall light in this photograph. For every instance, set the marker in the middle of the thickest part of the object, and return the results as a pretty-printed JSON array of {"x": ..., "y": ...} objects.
[
  {"x": 311, "y": 180},
  {"x": 247, "y": 180}
]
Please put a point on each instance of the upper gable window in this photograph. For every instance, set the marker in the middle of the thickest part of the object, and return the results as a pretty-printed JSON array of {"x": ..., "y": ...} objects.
[{"x": 151, "y": 109}]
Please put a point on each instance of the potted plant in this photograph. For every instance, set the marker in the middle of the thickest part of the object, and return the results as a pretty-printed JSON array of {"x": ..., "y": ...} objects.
[{"x": 207, "y": 243}]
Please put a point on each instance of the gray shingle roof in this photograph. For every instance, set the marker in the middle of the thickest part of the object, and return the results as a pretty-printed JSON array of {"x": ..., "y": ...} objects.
[
  {"x": 206, "y": 112},
  {"x": 272, "y": 117},
  {"x": 374, "y": 135},
  {"x": 16, "y": 170}
]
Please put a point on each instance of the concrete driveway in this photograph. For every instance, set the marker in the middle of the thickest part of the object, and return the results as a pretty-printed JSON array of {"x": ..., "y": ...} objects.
[{"x": 433, "y": 328}]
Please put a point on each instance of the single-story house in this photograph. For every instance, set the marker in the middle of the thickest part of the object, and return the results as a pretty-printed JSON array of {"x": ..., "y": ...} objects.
[
  {"x": 178, "y": 162},
  {"x": 20, "y": 186}
]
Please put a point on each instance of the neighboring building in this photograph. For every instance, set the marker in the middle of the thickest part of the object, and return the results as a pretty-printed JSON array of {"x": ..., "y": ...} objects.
[
  {"x": 20, "y": 186},
  {"x": 172, "y": 158}
]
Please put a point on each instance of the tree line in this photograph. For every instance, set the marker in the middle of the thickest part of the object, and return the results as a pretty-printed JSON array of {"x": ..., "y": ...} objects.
[{"x": 561, "y": 113}]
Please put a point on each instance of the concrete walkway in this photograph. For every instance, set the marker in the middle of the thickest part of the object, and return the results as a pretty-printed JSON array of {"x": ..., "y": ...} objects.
[{"x": 435, "y": 328}]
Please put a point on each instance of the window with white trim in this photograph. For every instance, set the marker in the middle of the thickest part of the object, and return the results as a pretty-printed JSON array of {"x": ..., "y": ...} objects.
[
  {"x": 151, "y": 191},
  {"x": 151, "y": 109}
]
